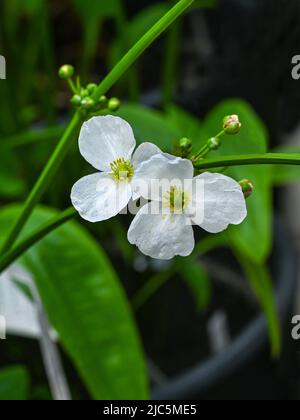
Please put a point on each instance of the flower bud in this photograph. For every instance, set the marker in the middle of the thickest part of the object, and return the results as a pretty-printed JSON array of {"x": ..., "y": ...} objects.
[
  {"x": 114, "y": 104},
  {"x": 88, "y": 104},
  {"x": 76, "y": 100},
  {"x": 85, "y": 93},
  {"x": 247, "y": 187},
  {"x": 185, "y": 145},
  {"x": 91, "y": 88},
  {"x": 214, "y": 143},
  {"x": 232, "y": 124},
  {"x": 102, "y": 100},
  {"x": 66, "y": 72}
]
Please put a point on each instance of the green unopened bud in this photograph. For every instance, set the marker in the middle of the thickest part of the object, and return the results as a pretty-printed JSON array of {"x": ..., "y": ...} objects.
[
  {"x": 102, "y": 100},
  {"x": 232, "y": 124},
  {"x": 66, "y": 72},
  {"x": 214, "y": 143},
  {"x": 185, "y": 144},
  {"x": 114, "y": 104},
  {"x": 91, "y": 88},
  {"x": 76, "y": 100},
  {"x": 88, "y": 104},
  {"x": 247, "y": 187},
  {"x": 185, "y": 147},
  {"x": 85, "y": 93}
]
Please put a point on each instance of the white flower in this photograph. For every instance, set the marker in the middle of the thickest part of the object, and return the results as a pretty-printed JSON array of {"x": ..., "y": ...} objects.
[
  {"x": 163, "y": 228},
  {"x": 108, "y": 143}
]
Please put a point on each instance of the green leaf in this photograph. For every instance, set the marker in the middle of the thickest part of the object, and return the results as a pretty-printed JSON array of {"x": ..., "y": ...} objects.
[
  {"x": 150, "y": 125},
  {"x": 285, "y": 174},
  {"x": 14, "y": 384},
  {"x": 261, "y": 283},
  {"x": 254, "y": 236},
  {"x": 188, "y": 125},
  {"x": 197, "y": 280},
  {"x": 87, "y": 306}
]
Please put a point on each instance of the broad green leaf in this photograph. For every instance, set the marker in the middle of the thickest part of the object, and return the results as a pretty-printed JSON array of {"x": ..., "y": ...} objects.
[
  {"x": 286, "y": 174},
  {"x": 97, "y": 9},
  {"x": 254, "y": 236},
  {"x": 261, "y": 283},
  {"x": 87, "y": 306},
  {"x": 188, "y": 125},
  {"x": 197, "y": 280},
  {"x": 150, "y": 125},
  {"x": 14, "y": 384}
]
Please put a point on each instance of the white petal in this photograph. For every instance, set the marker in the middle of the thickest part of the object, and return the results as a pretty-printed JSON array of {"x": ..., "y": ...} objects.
[
  {"x": 144, "y": 152},
  {"x": 168, "y": 170},
  {"x": 161, "y": 237},
  {"x": 105, "y": 139},
  {"x": 98, "y": 197},
  {"x": 224, "y": 202}
]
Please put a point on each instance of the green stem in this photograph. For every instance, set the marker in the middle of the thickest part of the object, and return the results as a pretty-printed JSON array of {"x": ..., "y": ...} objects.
[
  {"x": 11, "y": 256},
  {"x": 141, "y": 46},
  {"x": 255, "y": 159},
  {"x": 43, "y": 181},
  {"x": 72, "y": 86},
  {"x": 63, "y": 146},
  {"x": 206, "y": 149}
]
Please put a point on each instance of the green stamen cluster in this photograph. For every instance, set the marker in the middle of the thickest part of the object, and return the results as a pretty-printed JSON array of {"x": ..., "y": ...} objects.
[
  {"x": 122, "y": 170},
  {"x": 176, "y": 200}
]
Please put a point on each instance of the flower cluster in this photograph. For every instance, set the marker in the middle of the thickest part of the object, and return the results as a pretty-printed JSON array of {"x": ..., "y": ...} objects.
[{"x": 172, "y": 199}]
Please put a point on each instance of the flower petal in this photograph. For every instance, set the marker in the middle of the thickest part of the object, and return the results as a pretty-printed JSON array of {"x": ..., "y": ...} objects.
[
  {"x": 144, "y": 152},
  {"x": 161, "y": 237},
  {"x": 167, "y": 169},
  {"x": 105, "y": 139},
  {"x": 224, "y": 202},
  {"x": 97, "y": 197}
]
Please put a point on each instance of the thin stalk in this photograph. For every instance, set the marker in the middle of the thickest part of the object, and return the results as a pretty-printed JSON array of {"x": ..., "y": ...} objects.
[
  {"x": 206, "y": 149},
  {"x": 64, "y": 144},
  {"x": 255, "y": 159},
  {"x": 7, "y": 259}
]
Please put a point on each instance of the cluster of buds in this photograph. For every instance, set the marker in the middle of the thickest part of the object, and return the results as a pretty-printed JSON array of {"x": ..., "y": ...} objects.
[{"x": 83, "y": 97}]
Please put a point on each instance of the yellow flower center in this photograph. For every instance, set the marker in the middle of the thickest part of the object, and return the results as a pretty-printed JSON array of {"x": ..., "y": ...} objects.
[
  {"x": 122, "y": 170},
  {"x": 176, "y": 200}
]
